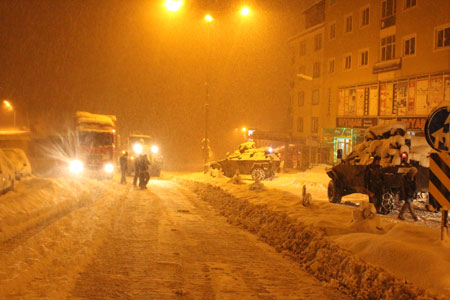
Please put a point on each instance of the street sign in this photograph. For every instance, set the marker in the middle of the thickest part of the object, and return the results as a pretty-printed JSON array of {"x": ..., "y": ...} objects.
[
  {"x": 439, "y": 184},
  {"x": 437, "y": 129}
]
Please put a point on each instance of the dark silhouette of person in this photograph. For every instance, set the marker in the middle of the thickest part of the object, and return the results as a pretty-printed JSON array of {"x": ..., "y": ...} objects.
[
  {"x": 374, "y": 182},
  {"x": 123, "y": 167},
  {"x": 144, "y": 175},
  {"x": 408, "y": 193}
]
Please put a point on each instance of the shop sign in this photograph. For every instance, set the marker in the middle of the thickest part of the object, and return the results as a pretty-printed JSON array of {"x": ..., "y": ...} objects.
[
  {"x": 414, "y": 123},
  {"x": 356, "y": 122}
]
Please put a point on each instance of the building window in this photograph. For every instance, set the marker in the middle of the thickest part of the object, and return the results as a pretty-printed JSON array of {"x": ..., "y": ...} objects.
[
  {"x": 442, "y": 37},
  {"x": 410, "y": 3},
  {"x": 331, "y": 66},
  {"x": 409, "y": 45},
  {"x": 388, "y": 48},
  {"x": 318, "y": 42},
  {"x": 348, "y": 24},
  {"x": 348, "y": 62},
  {"x": 316, "y": 70},
  {"x": 388, "y": 8},
  {"x": 332, "y": 31},
  {"x": 302, "y": 48},
  {"x": 299, "y": 124},
  {"x": 301, "y": 98},
  {"x": 365, "y": 17},
  {"x": 363, "y": 58},
  {"x": 315, "y": 97},
  {"x": 314, "y": 124}
]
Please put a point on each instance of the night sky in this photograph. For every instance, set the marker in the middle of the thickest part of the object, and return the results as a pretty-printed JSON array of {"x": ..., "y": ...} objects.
[{"x": 136, "y": 60}]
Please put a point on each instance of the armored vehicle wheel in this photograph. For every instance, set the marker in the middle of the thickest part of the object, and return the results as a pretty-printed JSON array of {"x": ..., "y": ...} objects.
[
  {"x": 334, "y": 192},
  {"x": 387, "y": 203},
  {"x": 258, "y": 174}
]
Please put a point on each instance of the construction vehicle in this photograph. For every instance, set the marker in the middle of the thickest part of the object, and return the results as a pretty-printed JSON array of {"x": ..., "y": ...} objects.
[{"x": 143, "y": 144}]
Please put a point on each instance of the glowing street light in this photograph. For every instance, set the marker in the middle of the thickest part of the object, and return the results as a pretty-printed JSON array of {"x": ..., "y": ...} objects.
[
  {"x": 9, "y": 107},
  {"x": 244, "y": 129},
  {"x": 209, "y": 18},
  {"x": 173, "y": 5},
  {"x": 245, "y": 11}
]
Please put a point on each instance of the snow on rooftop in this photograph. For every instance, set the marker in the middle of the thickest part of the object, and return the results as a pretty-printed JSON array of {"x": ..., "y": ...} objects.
[{"x": 86, "y": 117}]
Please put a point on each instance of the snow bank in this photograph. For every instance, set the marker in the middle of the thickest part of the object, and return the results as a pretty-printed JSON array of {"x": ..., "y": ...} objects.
[
  {"x": 368, "y": 258},
  {"x": 80, "y": 212},
  {"x": 36, "y": 200}
]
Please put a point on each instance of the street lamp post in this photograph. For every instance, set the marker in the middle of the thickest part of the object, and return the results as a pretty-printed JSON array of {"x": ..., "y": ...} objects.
[
  {"x": 174, "y": 6},
  {"x": 208, "y": 19}
]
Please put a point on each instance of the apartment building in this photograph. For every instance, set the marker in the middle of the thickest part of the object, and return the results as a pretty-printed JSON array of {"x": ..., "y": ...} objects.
[{"x": 361, "y": 63}]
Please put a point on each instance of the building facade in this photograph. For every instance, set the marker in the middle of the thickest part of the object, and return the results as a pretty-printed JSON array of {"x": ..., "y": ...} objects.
[{"x": 361, "y": 63}]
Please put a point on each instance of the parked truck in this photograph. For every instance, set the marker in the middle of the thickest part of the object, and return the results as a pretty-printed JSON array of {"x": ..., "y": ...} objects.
[{"x": 95, "y": 138}]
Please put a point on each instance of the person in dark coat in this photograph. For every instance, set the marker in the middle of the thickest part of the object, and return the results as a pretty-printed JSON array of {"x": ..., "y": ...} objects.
[
  {"x": 144, "y": 175},
  {"x": 123, "y": 167},
  {"x": 374, "y": 182},
  {"x": 137, "y": 168},
  {"x": 408, "y": 193}
]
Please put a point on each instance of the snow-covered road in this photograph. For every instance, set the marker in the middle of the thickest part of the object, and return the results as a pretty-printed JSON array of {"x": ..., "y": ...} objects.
[{"x": 162, "y": 243}]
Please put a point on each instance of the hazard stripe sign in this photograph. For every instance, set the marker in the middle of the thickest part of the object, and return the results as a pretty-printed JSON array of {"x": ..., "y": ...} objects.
[{"x": 439, "y": 185}]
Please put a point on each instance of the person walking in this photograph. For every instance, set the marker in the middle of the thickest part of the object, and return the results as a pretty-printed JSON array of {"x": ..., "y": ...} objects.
[
  {"x": 408, "y": 193},
  {"x": 144, "y": 175},
  {"x": 374, "y": 182},
  {"x": 123, "y": 167}
]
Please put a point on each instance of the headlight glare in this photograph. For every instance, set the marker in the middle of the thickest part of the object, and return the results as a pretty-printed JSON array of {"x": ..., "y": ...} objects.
[
  {"x": 76, "y": 167},
  {"x": 109, "y": 168}
]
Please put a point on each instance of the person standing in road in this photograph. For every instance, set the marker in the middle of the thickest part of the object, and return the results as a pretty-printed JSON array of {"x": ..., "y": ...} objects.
[
  {"x": 144, "y": 175},
  {"x": 123, "y": 167},
  {"x": 137, "y": 169},
  {"x": 408, "y": 193},
  {"x": 374, "y": 182}
]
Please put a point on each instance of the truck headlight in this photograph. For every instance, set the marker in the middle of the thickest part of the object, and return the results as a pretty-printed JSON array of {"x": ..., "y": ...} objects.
[
  {"x": 137, "y": 148},
  {"x": 76, "y": 167},
  {"x": 155, "y": 149},
  {"x": 109, "y": 168}
]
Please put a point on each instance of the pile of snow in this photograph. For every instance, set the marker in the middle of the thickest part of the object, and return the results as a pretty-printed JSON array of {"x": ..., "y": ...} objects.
[
  {"x": 19, "y": 161},
  {"x": 353, "y": 249},
  {"x": 389, "y": 142},
  {"x": 79, "y": 213},
  {"x": 420, "y": 151},
  {"x": 248, "y": 151}
]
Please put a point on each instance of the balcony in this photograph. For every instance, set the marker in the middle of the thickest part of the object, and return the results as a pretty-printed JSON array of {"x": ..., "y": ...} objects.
[{"x": 388, "y": 22}]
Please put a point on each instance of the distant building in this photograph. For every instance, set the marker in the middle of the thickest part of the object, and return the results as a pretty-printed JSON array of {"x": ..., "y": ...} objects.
[{"x": 361, "y": 63}]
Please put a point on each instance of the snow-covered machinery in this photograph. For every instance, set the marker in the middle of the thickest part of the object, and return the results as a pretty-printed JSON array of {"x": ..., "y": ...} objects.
[
  {"x": 398, "y": 151},
  {"x": 261, "y": 163},
  {"x": 95, "y": 144},
  {"x": 143, "y": 144}
]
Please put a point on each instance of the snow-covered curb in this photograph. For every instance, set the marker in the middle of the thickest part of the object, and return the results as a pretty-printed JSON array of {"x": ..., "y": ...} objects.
[{"x": 309, "y": 246}]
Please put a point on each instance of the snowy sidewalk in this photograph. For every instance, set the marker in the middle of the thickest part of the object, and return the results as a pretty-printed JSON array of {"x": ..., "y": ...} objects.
[{"x": 403, "y": 250}]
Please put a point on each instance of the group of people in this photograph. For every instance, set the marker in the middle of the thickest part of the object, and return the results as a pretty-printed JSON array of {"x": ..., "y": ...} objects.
[
  {"x": 141, "y": 170},
  {"x": 374, "y": 184}
]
